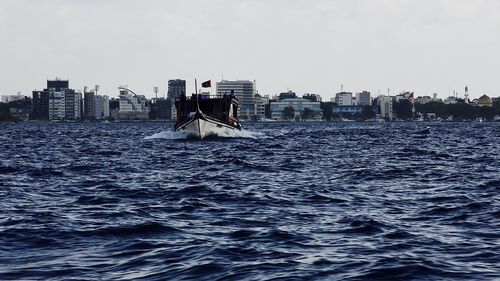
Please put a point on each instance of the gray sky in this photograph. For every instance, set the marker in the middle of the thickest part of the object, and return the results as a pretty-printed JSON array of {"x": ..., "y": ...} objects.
[{"x": 309, "y": 46}]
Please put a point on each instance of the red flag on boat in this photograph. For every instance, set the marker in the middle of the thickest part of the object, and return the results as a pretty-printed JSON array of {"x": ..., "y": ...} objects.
[{"x": 207, "y": 84}]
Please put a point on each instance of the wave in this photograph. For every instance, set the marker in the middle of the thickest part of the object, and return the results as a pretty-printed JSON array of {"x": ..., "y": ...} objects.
[{"x": 171, "y": 135}]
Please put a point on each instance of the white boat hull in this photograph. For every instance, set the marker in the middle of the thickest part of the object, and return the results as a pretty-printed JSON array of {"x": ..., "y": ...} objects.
[{"x": 200, "y": 128}]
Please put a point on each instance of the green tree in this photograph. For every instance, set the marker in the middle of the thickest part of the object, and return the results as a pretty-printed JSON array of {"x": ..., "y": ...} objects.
[
  {"x": 307, "y": 114},
  {"x": 367, "y": 112},
  {"x": 486, "y": 112},
  {"x": 403, "y": 109},
  {"x": 460, "y": 111},
  {"x": 327, "y": 110},
  {"x": 288, "y": 113}
]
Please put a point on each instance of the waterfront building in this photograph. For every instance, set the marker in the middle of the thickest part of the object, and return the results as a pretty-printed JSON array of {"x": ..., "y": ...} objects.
[
  {"x": 343, "y": 98},
  {"x": 245, "y": 91},
  {"x": 385, "y": 105},
  {"x": 57, "y": 105},
  {"x": 347, "y": 109},
  {"x": 88, "y": 105},
  {"x": 132, "y": 106},
  {"x": 363, "y": 98},
  {"x": 56, "y": 102},
  {"x": 302, "y": 109},
  {"x": 40, "y": 105},
  {"x": 260, "y": 106},
  {"x": 176, "y": 88},
  {"x": 101, "y": 107},
  {"x": 72, "y": 105}
]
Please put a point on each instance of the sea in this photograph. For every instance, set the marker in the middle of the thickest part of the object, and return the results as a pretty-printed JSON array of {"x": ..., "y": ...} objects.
[{"x": 276, "y": 201}]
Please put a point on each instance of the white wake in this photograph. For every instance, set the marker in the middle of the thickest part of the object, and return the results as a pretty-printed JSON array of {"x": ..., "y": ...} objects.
[{"x": 171, "y": 135}]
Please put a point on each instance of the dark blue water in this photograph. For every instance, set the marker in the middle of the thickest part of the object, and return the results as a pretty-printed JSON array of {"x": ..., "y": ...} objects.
[{"x": 356, "y": 201}]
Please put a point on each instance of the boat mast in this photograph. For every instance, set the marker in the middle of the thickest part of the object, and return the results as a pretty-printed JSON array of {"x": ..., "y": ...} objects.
[{"x": 196, "y": 95}]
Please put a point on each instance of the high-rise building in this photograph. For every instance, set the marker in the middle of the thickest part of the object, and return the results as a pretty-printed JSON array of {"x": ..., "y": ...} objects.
[
  {"x": 88, "y": 105},
  {"x": 363, "y": 98},
  {"x": 101, "y": 107},
  {"x": 343, "y": 98},
  {"x": 245, "y": 91},
  {"x": 385, "y": 104},
  {"x": 40, "y": 106},
  {"x": 56, "y": 102},
  {"x": 176, "y": 88},
  {"x": 73, "y": 104}
]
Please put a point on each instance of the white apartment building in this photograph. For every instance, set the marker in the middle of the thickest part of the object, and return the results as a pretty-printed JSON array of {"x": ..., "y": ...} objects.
[
  {"x": 343, "y": 98},
  {"x": 385, "y": 104},
  {"x": 57, "y": 105}
]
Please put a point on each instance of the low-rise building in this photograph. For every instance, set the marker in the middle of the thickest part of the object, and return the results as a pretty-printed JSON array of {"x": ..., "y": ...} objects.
[
  {"x": 132, "y": 106},
  {"x": 302, "y": 109},
  {"x": 347, "y": 109}
]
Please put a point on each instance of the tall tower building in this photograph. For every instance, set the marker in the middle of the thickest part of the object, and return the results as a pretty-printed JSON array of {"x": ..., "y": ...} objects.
[
  {"x": 466, "y": 96},
  {"x": 363, "y": 98},
  {"x": 176, "y": 88},
  {"x": 244, "y": 90},
  {"x": 88, "y": 105}
]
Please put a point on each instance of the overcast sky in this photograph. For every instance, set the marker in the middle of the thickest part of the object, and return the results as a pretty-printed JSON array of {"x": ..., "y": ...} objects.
[{"x": 306, "y": 46}]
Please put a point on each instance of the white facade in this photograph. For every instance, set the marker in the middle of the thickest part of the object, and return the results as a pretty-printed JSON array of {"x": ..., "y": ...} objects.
[
  {"x": 299, "y": 105},
  {"x": 385, "y": 104},
  {"x": 57, "y": 105},
  {"x": 78, "y": 107},
  {"x": 343, "y": 98},
  {"x": 101, "y": 107},
  {"x": 260, "y": 106},
  {"x": 244, "y": 90},
  {"x": 133, "y": 107},
  {"x": 132, "y": 103}
]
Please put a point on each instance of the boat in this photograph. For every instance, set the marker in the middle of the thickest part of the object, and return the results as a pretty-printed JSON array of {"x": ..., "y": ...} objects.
[{"x": 201, "y": 116}]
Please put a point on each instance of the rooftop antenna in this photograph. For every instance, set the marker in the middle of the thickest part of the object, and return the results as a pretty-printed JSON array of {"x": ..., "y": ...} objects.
[
  {"x": 341, "y": 88},
  {"x": 96, "y": 88}
]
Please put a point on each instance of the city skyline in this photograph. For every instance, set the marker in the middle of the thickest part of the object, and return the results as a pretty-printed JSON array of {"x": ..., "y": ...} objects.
[{"x": 423, "y": 46}]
